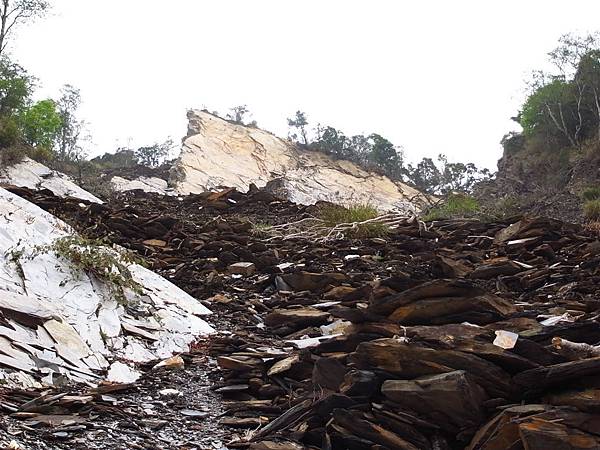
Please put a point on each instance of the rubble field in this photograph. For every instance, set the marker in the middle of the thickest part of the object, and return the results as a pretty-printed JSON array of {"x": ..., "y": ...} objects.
[{"x": 448, "y": 335}]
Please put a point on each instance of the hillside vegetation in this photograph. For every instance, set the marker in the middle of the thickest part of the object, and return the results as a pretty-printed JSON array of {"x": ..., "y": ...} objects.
[{"x": 549, "y": 164}]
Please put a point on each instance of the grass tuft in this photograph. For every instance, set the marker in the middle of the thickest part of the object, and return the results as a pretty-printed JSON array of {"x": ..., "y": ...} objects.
[
  {"x": 591, "y": 193},
  {"x": 591, "y": 210},
  {"x": 455, "y": 206},
  {"x": 334, "y": 215}
]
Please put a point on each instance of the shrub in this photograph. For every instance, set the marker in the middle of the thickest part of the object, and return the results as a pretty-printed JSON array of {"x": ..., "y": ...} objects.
[
  {"x": 10, "y": 133},
  {"x": 591, "y": 193},
  {"x": 591, "y": 209},
  {"x": 10, "y": 156},
  {"x": 355, "y": 214},
  {"x": 455, "y": 205},
  {"x": 503, "y": 208},
  {"x": 41, "y": 155}
]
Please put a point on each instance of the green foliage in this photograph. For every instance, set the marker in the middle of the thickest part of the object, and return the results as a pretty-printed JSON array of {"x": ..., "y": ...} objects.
[
  {"x": 358, "y": 214},
  {"x": 122, "y": 158},
  {"x": 10, "y": 132},
  {"x": 454, "y": 206},
  {"x": 564, "y": 105},
  {"x": 261, "y": 229},
  {"x": 41, "y": 154},
  {"x": 299, "y": 122},
  {"x": 16, "y": 87},
  {"x": 372, "y": 152},
  {"x": 154, "y": 155},
  {"x": 41, "y": 124},
  {"x": 445, "y": 177},
  {"x": 543, "y": 105},
  {"x": 386, "y": 156},
  {"x": 591, "y": 193},
  {"x": 9, "y": 156},
  {"x": 15, "y": 90},
  {"x": 95, "y": 258},
  {"x": 591, "y": 209},
  {"x": 68, "y": 142}
]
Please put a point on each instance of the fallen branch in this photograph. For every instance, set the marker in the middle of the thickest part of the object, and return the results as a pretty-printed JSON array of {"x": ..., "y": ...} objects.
[{"x": 316, "y": 229}]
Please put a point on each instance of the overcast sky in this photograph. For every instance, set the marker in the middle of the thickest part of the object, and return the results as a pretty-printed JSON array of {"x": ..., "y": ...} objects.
[{"x": 432, "y": 76}]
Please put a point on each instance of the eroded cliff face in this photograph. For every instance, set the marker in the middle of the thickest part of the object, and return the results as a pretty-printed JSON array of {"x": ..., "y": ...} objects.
[
  {"x": 543, "y": 181},
  {"x": 217, "y": 153}
]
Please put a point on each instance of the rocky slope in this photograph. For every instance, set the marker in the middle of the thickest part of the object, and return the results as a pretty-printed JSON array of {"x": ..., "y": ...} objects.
[
  {"x": 34, "y": 175},
  {"x": 61, "y": 321},
  {"x": 450, "y": 336},
  {"x": 540, "y": 181},
  {"x": 218, "y": 153}
]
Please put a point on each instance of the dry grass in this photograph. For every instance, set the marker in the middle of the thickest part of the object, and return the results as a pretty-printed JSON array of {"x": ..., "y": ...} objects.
[
  {"x": 593, "y": 227},
  {"x": 357, "y": 217},
  {"x": 591, "y": 210}
]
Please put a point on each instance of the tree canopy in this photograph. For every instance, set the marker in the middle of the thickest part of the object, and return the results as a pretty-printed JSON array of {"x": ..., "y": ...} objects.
[{"x": 564, "y": 104}]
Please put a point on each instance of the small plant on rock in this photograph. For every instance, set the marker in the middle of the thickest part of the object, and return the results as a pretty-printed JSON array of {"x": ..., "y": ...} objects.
[{"x": 95, "y": 258}]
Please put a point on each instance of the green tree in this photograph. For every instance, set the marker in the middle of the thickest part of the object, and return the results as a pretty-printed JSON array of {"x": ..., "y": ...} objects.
[
  {"x": 564, "y": 105},
  {"x": 154, "y": 155},
  {"x": 445, "y": 177},
  {"x": 15, "y": 91},
  {"x": 551, "y": 110},
  {"x": 385, "y": 156},
  {"x": 332, "y": 142},
  {"x": 237, "y": 114},
  {"x": 41, "y": 124},
  {"x": 425, "y": 176},
  {"x": 16, "y": 87},
  {"x": 17, "y": 12},
  {"x": 122, "y": 158},
  {"x": 588, "y": 75},
  {"x": 299, "y": 122},
  {"x": 68, "y": 145}
]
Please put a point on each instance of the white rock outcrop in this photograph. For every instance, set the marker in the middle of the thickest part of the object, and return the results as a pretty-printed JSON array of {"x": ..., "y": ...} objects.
[
  {"x": 63, "y": 322},
  {"x": 34, "y": 175},
  {"x": 146, "y": 184},
  {"x": 217, "y": 153}
]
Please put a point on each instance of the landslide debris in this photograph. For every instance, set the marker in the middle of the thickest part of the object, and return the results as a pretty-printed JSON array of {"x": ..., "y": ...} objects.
[{"x": 459, "y": 334}]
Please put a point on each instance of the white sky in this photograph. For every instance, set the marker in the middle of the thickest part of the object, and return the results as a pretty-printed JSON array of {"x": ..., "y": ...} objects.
[{"x": 433, "y": 76}]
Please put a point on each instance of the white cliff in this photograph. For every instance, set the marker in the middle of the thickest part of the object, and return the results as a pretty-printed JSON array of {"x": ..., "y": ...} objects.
[
  {"x": 34, "y": 175},
  {"x": 59, "y": 321},
  {"x": 218, "y": 153}
]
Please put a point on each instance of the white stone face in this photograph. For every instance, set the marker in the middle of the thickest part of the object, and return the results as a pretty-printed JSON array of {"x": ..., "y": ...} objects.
[
  {"x": 221, "y": 154},
  {"x": 33, "y": 175},
  {"x": 146, "y": 184},
  {"x": 68, "y": 319}
]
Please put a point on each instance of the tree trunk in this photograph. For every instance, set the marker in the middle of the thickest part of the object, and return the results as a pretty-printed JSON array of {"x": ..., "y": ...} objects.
[
  {"x": 579, "y": 99},
  {"x": 3, "y": 22},
  {"x": 597, "y": 100},
  {"x": 561, "y": 126}
]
